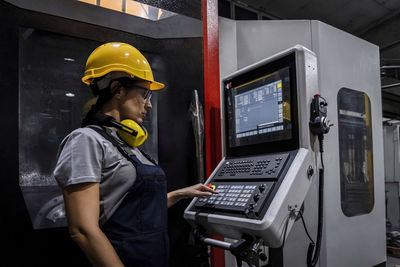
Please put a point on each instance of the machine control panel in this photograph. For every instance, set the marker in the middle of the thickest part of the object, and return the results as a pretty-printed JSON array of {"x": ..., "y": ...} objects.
[
  {"x": 268, "y": 154},
  {"x": 259, "y": 167},
  {"x": 245, "y": 184}
]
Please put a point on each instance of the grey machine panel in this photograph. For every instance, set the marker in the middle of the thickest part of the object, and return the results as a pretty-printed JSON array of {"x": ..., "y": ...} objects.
[
  {"x": 259, "y": 192},
  {"x": 353, "y": 64}
]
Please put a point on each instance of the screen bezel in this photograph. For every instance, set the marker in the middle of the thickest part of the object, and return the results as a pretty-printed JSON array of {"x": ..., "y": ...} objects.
[{"x": 274, "y": 146}]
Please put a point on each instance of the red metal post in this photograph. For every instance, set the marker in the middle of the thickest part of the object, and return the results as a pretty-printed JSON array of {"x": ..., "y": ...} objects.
[{"x": 212, "y": 101}]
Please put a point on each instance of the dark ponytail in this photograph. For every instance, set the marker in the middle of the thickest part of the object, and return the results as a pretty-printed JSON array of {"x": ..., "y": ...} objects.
[{"x": 104, "y": 96}]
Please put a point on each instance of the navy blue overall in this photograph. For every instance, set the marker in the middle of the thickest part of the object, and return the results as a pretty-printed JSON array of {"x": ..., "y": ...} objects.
[{"x": 138, "y": 229}]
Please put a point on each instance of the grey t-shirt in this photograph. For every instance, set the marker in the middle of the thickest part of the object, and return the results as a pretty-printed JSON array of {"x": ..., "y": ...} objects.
[{"x": 86, "y": 156}]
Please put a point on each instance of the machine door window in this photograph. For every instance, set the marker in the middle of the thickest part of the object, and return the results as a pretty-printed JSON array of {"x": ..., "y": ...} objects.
[{"x": 355, "y": 151}]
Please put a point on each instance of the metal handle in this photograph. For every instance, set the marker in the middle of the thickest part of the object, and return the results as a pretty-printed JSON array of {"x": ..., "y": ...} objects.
[{"x": 216, "y": 243}]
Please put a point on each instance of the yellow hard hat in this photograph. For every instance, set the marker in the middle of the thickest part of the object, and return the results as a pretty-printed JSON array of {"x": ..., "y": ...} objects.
[{"x": 123, "y": 57}]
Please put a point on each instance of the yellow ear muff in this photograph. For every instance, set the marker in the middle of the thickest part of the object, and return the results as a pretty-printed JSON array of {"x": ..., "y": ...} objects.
[{"x": 129, "y": 138}]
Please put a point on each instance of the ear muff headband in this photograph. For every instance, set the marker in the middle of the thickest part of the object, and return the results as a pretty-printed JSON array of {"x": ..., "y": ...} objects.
[{"x": 128, "y": 133}]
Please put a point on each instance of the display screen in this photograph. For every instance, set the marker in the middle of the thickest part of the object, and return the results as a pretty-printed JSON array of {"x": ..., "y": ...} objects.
[
  {"x": 259, "y": 110},
  {"x": 258, "y": 106}
]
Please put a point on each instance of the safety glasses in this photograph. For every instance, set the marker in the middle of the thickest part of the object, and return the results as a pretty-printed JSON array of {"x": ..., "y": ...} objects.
[{"x": 132, "y": 84}]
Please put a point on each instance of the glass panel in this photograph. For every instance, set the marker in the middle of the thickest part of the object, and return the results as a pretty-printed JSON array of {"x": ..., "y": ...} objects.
[
  {"x": 133, "y": 8},
  {"x": 145, "y": 11},
  {"x": 112, "y": 4},
  {"x": 355, "y": 151},
  {"x": 51, "y": 96}
]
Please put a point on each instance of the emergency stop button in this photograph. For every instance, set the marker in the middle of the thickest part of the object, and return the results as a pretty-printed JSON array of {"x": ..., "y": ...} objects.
[{"x": 211, "y": 186}]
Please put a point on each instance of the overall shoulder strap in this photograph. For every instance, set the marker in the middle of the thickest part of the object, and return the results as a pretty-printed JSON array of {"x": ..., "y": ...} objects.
[
  {"x": 148, "y": 157},
  {"x": 104, "y": 132}
]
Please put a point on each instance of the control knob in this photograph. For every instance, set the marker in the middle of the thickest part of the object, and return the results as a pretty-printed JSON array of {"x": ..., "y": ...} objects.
[
  {"x": 256, "y": 197},
  {"x": 261, "y": 188}
]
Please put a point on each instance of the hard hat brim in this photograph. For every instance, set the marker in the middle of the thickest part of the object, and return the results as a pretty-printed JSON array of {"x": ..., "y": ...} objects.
[{"x": 156, "y": 86}]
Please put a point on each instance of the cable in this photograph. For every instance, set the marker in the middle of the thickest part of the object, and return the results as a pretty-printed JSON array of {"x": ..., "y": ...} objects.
[
  {"x": 314, "y": 248},
  {"x": 284, "y": 232},
  {"x": 305, "y": 227},
  {"x": 238, "y": 261},
  {"x": 321, "y": 149}
]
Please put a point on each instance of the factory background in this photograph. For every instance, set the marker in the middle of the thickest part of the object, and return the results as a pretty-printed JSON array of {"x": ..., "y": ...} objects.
[{"x": 44, "y": 47}]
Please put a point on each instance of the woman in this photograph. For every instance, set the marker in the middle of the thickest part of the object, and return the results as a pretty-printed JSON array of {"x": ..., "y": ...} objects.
[{"x": 115, "y": 195}]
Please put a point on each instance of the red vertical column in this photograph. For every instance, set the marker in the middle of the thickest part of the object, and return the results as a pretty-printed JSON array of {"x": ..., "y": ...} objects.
[{"x": 212, "y": 101}]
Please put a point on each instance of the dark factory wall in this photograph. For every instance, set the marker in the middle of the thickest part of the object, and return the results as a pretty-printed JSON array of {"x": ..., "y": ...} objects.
[{"x": 176, "y": 62}]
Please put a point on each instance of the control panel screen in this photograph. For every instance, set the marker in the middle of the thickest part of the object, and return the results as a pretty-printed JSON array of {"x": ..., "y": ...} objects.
[
  {"x": 259, "y": 110},
  {"x": 259, "y": 107}
]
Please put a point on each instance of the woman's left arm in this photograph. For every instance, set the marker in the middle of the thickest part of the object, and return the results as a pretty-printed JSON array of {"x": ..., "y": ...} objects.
[{"x": 198, "y": 190}]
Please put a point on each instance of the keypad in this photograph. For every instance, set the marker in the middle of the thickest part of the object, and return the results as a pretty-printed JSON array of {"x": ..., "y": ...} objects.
[
  {"x": 230, "y": 197},
  {"x": 259, "y": 167}
]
